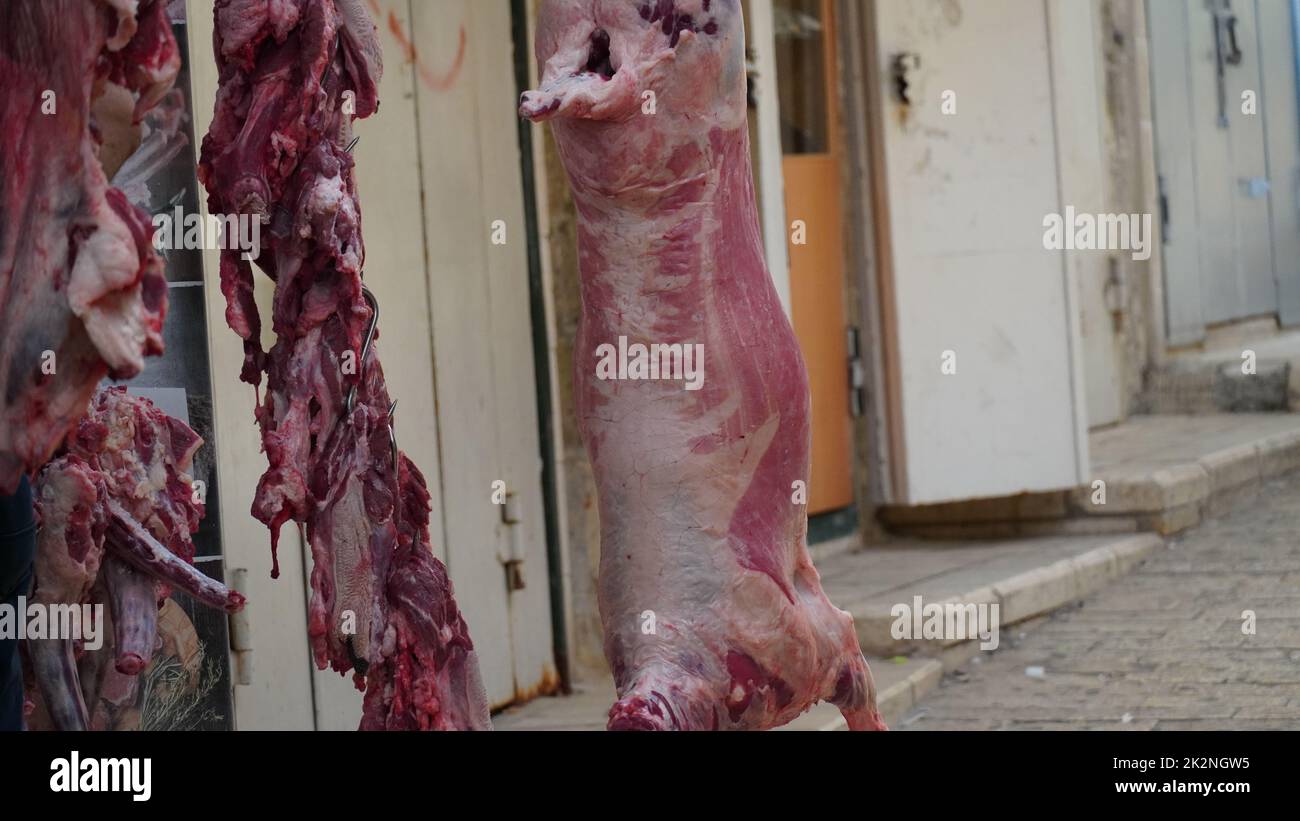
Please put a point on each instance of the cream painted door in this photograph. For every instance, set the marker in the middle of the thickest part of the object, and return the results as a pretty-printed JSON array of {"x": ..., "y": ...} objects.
[
  {"x": 981, "y": 321},
  {"x": 1279, "y": 37},
  {"x": 438, "y": 170},
  {"x": 478, "y": 295},
  {"x": 1230, "y": 177}
]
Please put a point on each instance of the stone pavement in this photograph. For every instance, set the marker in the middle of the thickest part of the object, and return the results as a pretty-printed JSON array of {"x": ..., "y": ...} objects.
[{"x": 1161, "y": 648}]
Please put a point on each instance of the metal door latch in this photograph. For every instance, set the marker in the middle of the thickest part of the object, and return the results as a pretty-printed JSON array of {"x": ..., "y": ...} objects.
[
  {"x": 906, "y": 65},
  {"x": 513, "y": 556},
  {"x": 857, "y": 375},
  {"x": 1257, "y": 188},
  {"x": 1227, "y": 52}
]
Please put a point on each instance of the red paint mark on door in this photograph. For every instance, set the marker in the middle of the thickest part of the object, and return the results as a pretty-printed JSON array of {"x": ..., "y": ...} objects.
[{"x": 431, "y": 78}]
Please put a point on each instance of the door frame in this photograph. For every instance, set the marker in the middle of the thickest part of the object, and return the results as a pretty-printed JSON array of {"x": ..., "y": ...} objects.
[{"x": 868, "y": 256}]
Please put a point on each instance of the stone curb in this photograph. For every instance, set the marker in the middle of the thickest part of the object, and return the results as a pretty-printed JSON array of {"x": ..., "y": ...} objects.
[
  {"x": 1177, "y": 498},
  {"x": 1019, "y": 597},
  {"x": 1166, "y": 501}
]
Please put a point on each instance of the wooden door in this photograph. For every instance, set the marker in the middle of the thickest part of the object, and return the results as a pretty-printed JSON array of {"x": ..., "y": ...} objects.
[
  {"x": 1233, "y": 223},
  {"x": 1171, "y": 99},
  {"x": 1279, "y": 35},
  {"x": 476, "y": 264},
  {"x": 1226, "y": 172},
  {"x": 980, "y": 319},
  {"x": 812, "y": 149}
]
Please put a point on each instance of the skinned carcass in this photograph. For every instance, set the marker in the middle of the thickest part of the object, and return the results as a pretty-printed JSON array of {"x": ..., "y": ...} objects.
[
  {"x": 82, "y": 292},
  {"x": 294, "y": 74},
  {"x": 117, "y": 510},
  {"x": 699, "y": 521}
]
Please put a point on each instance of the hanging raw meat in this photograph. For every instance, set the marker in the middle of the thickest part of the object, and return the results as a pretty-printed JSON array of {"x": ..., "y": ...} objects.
[
  {"x": 294, "y": 74},
  {"x": 701, "y": 535},
  {"x": 117, "y": 510},
  {"x": 82, "y": 292}
]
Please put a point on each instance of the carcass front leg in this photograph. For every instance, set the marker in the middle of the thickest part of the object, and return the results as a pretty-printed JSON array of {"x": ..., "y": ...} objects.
[
  {"x": 133, "y": 598},
  {"x": 132, "y": 542},
  {"x": 55, "y": 670}
]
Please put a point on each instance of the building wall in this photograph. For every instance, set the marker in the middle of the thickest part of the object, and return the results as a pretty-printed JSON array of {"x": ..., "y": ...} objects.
[{"x": 1131, "y": 188}]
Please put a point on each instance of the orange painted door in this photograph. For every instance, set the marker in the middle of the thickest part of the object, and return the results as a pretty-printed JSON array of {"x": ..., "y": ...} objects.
[{"x": 811, "y": 156}]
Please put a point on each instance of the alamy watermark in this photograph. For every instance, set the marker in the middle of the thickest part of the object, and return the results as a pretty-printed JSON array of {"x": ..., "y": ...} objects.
[
  {"x": 133, "y": 776},
  {"x": 1098, "y": 232},
  {"x": 216, "y": 232},
  {"x": 36, "y": 621},
  {"x": 947, "y": 621},
  {"x": 657, "y": 361}
]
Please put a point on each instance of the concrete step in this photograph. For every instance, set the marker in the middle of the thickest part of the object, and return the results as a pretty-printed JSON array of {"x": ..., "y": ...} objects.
[
  {"x": 1212, "y": 380},
  {"x": 1156, "y": 473},
  {"x": 1023, "y": 577},
  {"x": 1201, "y": 386},
  {"x": 900, "y": 684}
]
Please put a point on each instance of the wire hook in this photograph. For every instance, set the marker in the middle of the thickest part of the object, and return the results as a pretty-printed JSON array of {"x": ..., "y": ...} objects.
[{"x": 350, "y": 404}]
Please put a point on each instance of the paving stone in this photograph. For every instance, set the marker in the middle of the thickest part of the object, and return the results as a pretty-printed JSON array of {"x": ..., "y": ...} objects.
[{"x": 1162, "y": 644}]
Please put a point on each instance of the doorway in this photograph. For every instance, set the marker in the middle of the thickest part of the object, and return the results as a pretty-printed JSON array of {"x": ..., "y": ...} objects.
[{"x": 812, "y": 156}]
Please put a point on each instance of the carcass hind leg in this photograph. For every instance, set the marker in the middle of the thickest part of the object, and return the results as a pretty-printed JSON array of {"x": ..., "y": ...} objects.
[
  {"x": 855, "y": 695},
  {"x": 663, "y": 698}
]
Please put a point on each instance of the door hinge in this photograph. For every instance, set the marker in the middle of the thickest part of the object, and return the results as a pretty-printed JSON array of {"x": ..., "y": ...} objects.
[
  {"x": 857, "y": 374},
  {"x": 513, "y": 556},
  {"x": 241, "y": 631}
]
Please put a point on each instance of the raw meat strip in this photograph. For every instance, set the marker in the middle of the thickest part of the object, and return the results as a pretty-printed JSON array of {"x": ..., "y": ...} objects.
[
  {"x": 117, "y": 512},
  {"x": 294, "y": 74},
  {"x": 78, "y": 274},
  {"x": 698, "y": 523}
]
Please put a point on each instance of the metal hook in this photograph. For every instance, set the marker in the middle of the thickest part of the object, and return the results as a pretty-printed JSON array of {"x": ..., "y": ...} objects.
[
  {"x": 351, "y": 402},
  {"x": 176, "y": 199},
  {"x": 366, "y": 293},
  {"x": 392, "y": 433},
  {"x": 172, "y": 205},
  {"x": 352, "y": 144}
]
